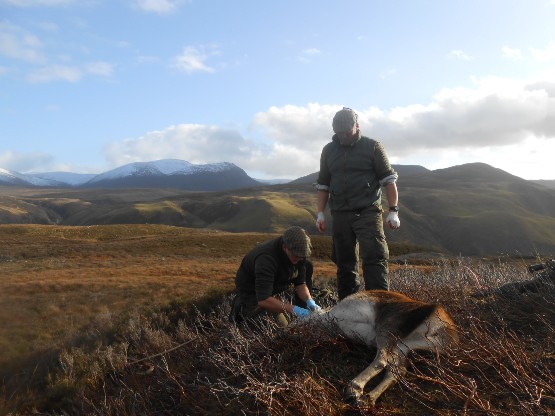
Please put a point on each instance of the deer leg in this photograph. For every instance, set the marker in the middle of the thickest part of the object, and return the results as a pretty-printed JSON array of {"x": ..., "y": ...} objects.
[
  {"x": 395, "y": 368},
  {"x": 356, "y": 386}
]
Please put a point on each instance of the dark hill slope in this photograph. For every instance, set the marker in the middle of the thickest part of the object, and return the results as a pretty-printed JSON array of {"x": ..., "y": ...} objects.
[
  {"x": 402, "y": 170},
  {"x": 470, "y": 209},
  {"x": 477, "y": 209}
]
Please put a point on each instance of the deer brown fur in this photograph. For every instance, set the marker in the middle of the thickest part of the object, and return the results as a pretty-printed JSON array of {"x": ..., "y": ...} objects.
[{"x": 396, "y": 325}]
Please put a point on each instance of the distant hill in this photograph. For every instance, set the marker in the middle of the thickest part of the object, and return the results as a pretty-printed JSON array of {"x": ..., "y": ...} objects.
[
  {"x": 11, "y": 178},
  {"x": 402, "y": 170},
  {"x": 546, "y": 183},
  {"x": 167, "y": 173},
  {"x": 477, "y": 209},
  {"x": 471, "y": 209}
]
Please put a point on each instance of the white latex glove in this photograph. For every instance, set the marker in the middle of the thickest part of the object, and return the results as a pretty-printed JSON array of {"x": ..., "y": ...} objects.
[
  {"x": 320, "y": 222},
  {"x": 393, "y": 220}
]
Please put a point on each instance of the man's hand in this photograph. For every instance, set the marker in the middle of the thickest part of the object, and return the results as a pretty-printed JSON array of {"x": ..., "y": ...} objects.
[
  {"x": 320, "y": 222},
  {"x": 393, "y": 220},
  {"x": 301, "y": 312},
  {"x": 313, "y": 306}
]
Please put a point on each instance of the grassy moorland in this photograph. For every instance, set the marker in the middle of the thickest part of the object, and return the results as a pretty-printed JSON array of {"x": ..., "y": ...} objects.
[
  {"x": 56, "y": 280},
  {"x": 132, "y": 320}
]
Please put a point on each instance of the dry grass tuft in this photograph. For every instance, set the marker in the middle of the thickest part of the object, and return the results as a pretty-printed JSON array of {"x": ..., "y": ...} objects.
[
  {"x": 180, "y": 355},
  {"x": 181, "y": 360}
]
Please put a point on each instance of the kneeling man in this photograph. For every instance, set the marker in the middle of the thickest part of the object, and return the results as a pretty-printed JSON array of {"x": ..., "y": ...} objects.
[{"x": 271, "y": 268}]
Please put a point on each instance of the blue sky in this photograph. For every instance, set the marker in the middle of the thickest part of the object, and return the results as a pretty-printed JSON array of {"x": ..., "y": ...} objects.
[{"x": 89, "y": 85}]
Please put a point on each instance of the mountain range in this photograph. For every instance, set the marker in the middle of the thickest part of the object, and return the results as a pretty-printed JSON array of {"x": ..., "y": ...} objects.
[
  {"x": 167, "y": 173},
  {"x": 471, "y": 209}
]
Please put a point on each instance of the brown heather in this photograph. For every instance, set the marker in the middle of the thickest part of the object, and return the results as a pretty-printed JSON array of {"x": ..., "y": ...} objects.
[{"x": 132, "y": 320}]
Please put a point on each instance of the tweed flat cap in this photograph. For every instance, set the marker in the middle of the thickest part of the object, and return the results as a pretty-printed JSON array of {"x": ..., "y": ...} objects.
[
  {"x": 344, "y": 120},
  {"x": 297, "y": 241}
]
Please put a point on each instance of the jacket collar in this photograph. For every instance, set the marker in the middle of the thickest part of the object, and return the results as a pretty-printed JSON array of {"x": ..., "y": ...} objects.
[{"x": 335, "y": 139}]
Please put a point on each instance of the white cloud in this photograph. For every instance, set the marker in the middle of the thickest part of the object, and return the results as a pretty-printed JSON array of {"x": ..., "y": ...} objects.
[
  {"x": 193, "y": 59},
  {"x": 284, "y": 154},
  {"x": 529, "y": 159},
  {"x": 497, "y": 112},
  {"x": 34, "y": 3},
  {"x": 307, "y": 55},
  {"x": 100, "y": 68},
  {"x": 311, "y": 51},
  {"x": 17, "y": 43},
  {"x": 69, "y": 73},
  {"x": 52, "y": 107},
  {"x": 146, "y": 59},
  {"x": 497, "y": 116},
  {"x": 506, "y": 123},
  {"x": 159, "y": 6},
  {"x": 293, "y": 125},
  {"x": 190, "y": 142},
  {"x": 388, "y": 73},
  {"x": 24, "y": 162},
  {"x": 544, "y": 55},
  {"x": 511, "y": 53},
  {"x": 55, "y": 73},
  {"x": 49, "y": 26},
  {"x": 458, "y": 54},
  {"x": 37, "y": 161}
]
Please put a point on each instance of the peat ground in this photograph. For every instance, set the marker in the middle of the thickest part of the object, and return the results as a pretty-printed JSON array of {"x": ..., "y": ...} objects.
[{"x": 131, "y": 319}]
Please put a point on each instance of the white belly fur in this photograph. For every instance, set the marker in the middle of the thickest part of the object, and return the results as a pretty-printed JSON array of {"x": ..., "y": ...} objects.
[{"x": 356, "y": 319}]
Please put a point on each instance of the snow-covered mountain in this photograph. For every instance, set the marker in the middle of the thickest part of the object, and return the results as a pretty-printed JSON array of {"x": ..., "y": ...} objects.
[
  {"x": 160, "y": 167},
  {"x": 167, "y": 173},
  {"x": 274, "y": 181},
  {"x": 62, "y": 179},
  {"x": 11, "y": 178}
]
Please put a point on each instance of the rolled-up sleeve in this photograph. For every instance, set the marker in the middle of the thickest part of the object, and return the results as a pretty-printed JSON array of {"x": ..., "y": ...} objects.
[
  {"x": 386, "y": 174},
  {"x": 324, "y": 176}
]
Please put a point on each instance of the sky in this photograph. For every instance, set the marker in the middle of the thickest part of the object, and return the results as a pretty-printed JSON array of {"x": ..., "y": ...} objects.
[{"x": 90, "y": 85}]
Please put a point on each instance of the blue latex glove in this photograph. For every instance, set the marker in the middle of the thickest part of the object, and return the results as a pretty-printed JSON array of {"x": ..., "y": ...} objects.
[
  {"x": 300, "y": 312},
  {"x": 313, "y": 306}
]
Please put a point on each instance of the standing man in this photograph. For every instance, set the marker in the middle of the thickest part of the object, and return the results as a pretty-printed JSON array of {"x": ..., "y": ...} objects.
[
  {"x": 271, "y": 268},
  {"x": 353, "y": 171}
]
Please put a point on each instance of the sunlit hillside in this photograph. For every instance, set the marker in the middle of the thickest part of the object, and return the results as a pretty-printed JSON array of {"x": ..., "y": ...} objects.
[{"x": 471, "y": 209}]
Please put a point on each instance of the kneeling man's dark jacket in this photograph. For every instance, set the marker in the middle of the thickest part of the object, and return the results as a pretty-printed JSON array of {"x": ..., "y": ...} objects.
[{"x": 266, "y": 270}]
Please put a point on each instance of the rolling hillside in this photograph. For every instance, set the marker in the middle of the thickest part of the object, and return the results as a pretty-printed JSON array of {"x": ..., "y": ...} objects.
[
  {"x": 476, "y": 209},
  {"x": 471, "y": 209}
]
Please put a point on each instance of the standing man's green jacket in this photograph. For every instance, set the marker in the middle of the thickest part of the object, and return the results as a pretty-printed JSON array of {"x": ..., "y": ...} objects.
[{"x": 354, "y": 174}]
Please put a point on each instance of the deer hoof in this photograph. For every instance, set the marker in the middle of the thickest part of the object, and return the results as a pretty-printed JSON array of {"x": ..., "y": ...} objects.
[
  {"x": 352, "y": 395},
  {"x": 368, "y": 400}
]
